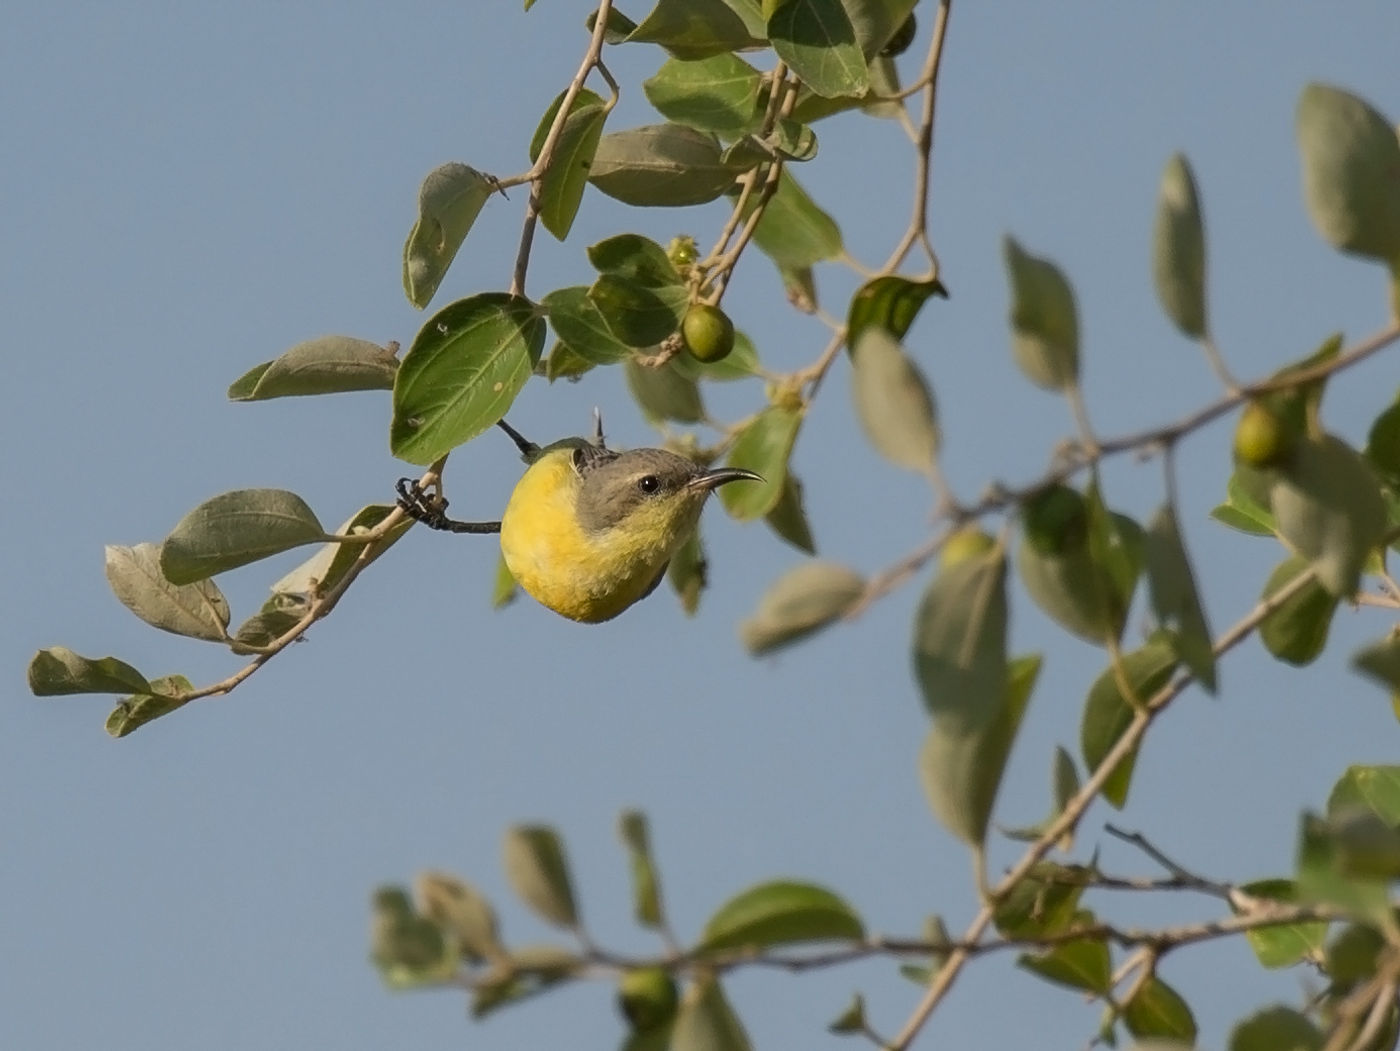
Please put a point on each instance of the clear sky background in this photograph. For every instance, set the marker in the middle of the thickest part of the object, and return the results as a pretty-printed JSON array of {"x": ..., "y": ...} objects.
[{"x": 190, "y": 190}]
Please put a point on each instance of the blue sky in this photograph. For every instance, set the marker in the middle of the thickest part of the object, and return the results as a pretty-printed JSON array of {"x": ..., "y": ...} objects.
[{"x": 191, "y": 190}]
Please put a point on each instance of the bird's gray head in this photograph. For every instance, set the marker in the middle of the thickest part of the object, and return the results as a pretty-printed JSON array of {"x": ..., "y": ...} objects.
[{"x": 615, "y": 485}]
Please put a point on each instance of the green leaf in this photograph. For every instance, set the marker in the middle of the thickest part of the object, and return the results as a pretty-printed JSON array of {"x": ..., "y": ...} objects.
[
  {"x": 695, "y": 29},
  {"x": 706, "y": 1022},
  {"x": 961, "y": 766},
  {"x": 817, "y": 41},
  {"x": 889, "y": 302},
  {"x": 646, "y": 882},
  {"x": 637, "y": 315},
  {"x": 1158, "y": 1011},
  {"x": 1179, "y": 249},
  {"x": 635, "y": 258},
  {"x": 718, "y": 94},
  {"x": 782, "y": 912},
  {"x": 1383, "y": 443},
  {"x": 794, "y": 140},
  {"x": 1354, "y": 955},
  {"x": 1380, "y": 661},
  {"x": 58, "y": 672},
  {"x": 1286, "y": 944},
  {"x": 325, "y": 365},
  {"x": 794, "y": 232},
  {"x": 789, "y": 517},
  {"x": 660, "y": 165},
  {"x": 851, "y": 1020},
  {"x": 1276, "y": 1029},
  {"x": 577, "y": 321},
  {"x": 687, "y": 573},
  {"x": 1296, "y": 632},
  {"x": 1328, "y": 852},
  {"x": 1044, "y": 903},
  {"x": 1108, "y": 714},
  {"x": 763, "y": 446},
  {"x": 1350, "y": 158},
  {"x": 617, "y": 28},
  {"x": 234, "y": 529},
  {"x": 407, "y": 949},
  {"x": 1246, "y": 505},
  {"x": 1375, "y": 789},
  {"x": 960, "y": 643},
  {"x": 168, "y": 693},
  {"x": 1064, "y": 786},
  {"x": 278, "y": 616},
  {"x": 327, "y": 568},
  {"x": 504, "y": 590},
  {"x": 539, "y": 873},
  {"x": 1084, "y": 964},
  {"x": 197, "y": 610},
  {"x": 563, "y": 363},
  {"x": 530, "y": 970},
  {"x": 466, "y": 365},
  {"x": 1044, "y": 322},
  {"x": 876, "y": 22},
  {"x": 562, "y": 185},
  {"x": 800, "y": 603},
  {"x": 1175, "y": 600},
  {"x": 893, "y": 401},
  {"x": 1329, "y": 509},
  {"x": 448, "y": 203},
  {"x": 460, "y": 910},
  {"x": 740, "y": 363},
  {"x": 662, "y": 393}
]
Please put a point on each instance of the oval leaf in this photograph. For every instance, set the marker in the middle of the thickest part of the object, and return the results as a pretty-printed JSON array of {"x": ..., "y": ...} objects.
[
  {"x": 893, "y": 401},
  {"x": 646, "y": 883},
  {"x": 197, "y": 610},
  {"x": 706, "y": 1022},
  {"x": 1175, "y": 601},
  {"x": 170, "y": 692},
  {"x": 694, "y": 29},
  {"x": 1157, "y": 1010},
  {"x": 325, "y": 569},
  {"x": 1179, "y": 249},
  {"x": 563, "y": 182},
  {"x": 780, "y": 913},
  {"x": 1044, "y": 322},
  {"x": 1276, "y": 1029},
  {"x": 1286, "y": 944},
  {"x": 793, "y": 231},
  {"x": 818, "y": 42},
  {"x": 662, "y": 393},
  {"x": 466, "y": 365},
  {"x": 58, "y": 671},
  {"x": 789, "y": 517},
  {"x": 891, "y": 303},
  {"x": 325, "y": 365},
  {"x": 1296, "y": 632},
  {"x": 636, "y": 258},
  {"x": 800, "y": 603},
  {"x": 448, "y": 203},
  {"x": 960, "y": 642},
  {"x": 1085, "y": 964},
  {"x": 459, "y": 909},
  {"x": 660, "y": 165},
  {"x": 236, "y": 528},
  {"x": 718, "y": 94},
  {"x": 636, "y": 314},
  {"x": 577, "y": 321},
  {"x": 1107, "y": 713},
  {"x": 764, "y": 446},
  {"x": 1350, "y": 160},
  {"x": 539, "y": 873}
]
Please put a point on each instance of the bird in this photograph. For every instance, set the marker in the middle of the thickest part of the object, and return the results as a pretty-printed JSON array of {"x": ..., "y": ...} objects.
[{"x": 589, "y": 531}]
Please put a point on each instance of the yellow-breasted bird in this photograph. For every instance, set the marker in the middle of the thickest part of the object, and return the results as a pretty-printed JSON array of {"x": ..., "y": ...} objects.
[{"x": 589, "y": 531}]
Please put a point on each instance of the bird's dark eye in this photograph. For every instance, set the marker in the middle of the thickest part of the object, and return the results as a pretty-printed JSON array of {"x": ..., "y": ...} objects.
[{"x": 648, "y": 483}]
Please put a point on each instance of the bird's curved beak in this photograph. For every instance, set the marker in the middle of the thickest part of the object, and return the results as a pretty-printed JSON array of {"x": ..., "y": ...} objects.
[{"x": 720, "y": 476}]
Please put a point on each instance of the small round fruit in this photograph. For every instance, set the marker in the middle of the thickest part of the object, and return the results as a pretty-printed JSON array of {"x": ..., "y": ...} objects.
[
  {"x": 708, "y": 333},
  {"x": 903, "y": 37},
  {"x": 682, "y": 252},
  {"x": 965, "y": 544},
  {"x": 1261, "y": 438},
  {"x": 647, "y": 998},
  {"x": 1056, "y": 520}
]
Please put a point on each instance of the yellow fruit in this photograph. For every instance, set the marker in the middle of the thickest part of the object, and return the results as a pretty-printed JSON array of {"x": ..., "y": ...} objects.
[
  {"x": 707, "y": 332},
  {"x": 647, "y": 998},
  {"x": 967, "y": 543},
  {"x": 1261, "y": 438}
]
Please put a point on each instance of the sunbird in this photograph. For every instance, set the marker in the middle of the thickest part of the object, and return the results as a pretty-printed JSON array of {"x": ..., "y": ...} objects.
[{"x": 589, "y": 531}]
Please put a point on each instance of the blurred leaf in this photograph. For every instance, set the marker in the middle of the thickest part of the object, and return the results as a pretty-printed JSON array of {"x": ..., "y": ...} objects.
[
  {"x": 1286, "y": 944},
  {"x": 1375, "y": 789},
  {"x": 893, "y": 401},
  {"x": 962, "y": 766},
  {"x": 1175, "y": 601},
  {"x": 234, "y": 529},
  {"x": 325, "y": 365},
  {"x": 459, "y": 909},
  {"x": 1044, "y": 322},
  {"x": 1350, "y": 158},
  {"x": 1158, "y": 1011},
  {"x": 1044, "y": 903},
  {"x": 1296, "y": 632},
  {"x": 889, "y": 302},
  {"x": 168, "y": 693},
  {"x": 466, "y": 365},
  {"x": 817, "y": 41},
  {"x": 577, "y": 321},
  {"x": 877, "y": 22},
  {"x": 695, "y": 29},
  {"x": 960, "y": 643},
  {"x": 1084, "y": 964},
  {"x": 448, "y": 203},
  {"x": 646, "y": 882},
  {"x": 851, "y": 1020},
  {"x": 763, "y": 446},
  {"x": 408, "y": 949},
  {"x": 782, "y": 912},
  {"x": 1276, "y": 1029},
  {"x": 530, "y": 970},
  {"x": 740, "y": 363},
  {"x": 718, "y": 94},
  {"x": 1108, "y": 714},
  {"x": 504, "y": 590},
  {"x": 648, "y": 999},
  {"x": 539, "y": 873},
  {"x": 1243, "y": 510},
  {"x": 660, "y": 165},
  {"x": 1329, "y": 509},
  {"x": 1354, "y": 955},
  {"x": 662, "y": 393},
  {"x": 58, "y": 672},
  {"x": 562, "y": 185},
  {"x": 789, "y": 517},
  {"x": 1383, "y": 443},
  {"x": 800, "y": 603},
  {"x": 196, "y": 610},
  {"x": 794, "y": 232},
  {"x": 1380, "y": 661},
  {"x": 636, "y": 314},
  {"x": 688, "y": 572},
  {"x": 706, "y": 1022},
  {"x": 1179, "y": 249},
  {"x": 1064, "y": 786},
  {"x": 1326, "y": 873}
]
